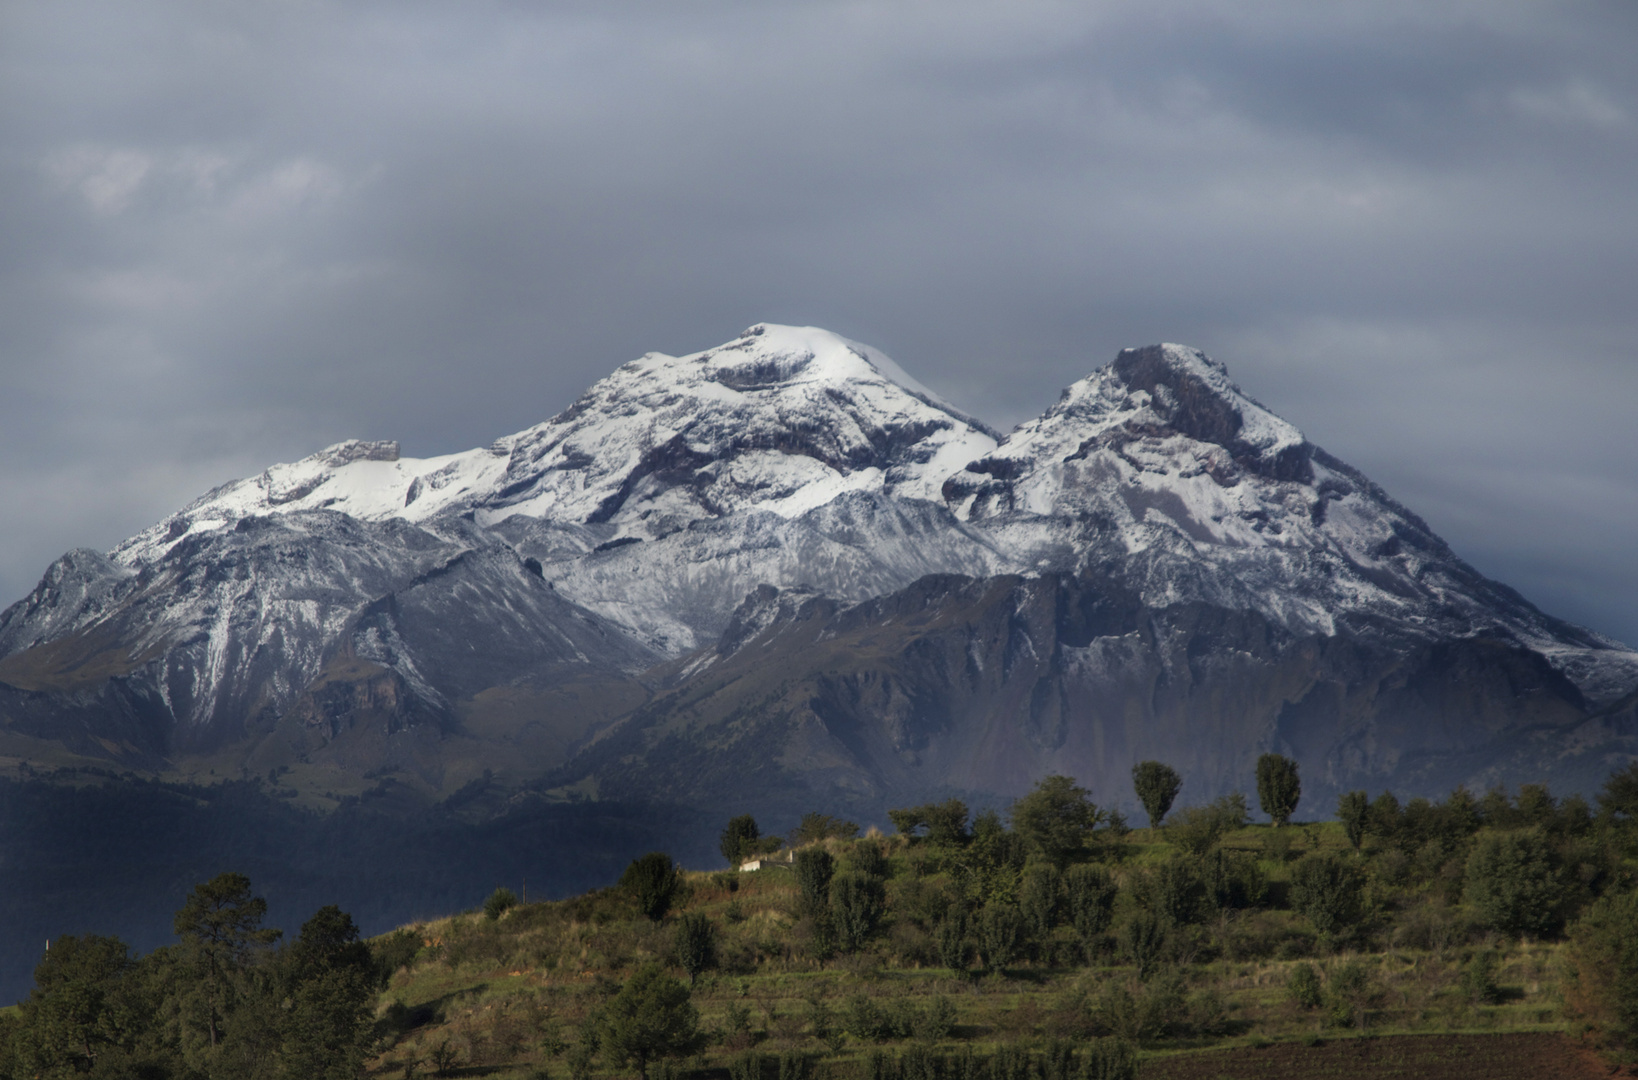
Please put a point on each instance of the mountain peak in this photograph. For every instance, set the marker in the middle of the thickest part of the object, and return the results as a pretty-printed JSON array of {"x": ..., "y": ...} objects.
[
  {"x": 770, "y": 354},
  {"x": 781, "y": 418},
  {"x": 1192, "y": 393}
]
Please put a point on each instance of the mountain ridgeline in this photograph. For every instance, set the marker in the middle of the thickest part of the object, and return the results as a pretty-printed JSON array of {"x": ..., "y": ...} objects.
[{"x": 781, "y": 573}]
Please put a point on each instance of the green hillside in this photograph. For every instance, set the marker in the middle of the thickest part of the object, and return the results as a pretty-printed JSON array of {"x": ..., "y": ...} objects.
[{"x": 1050, "y": 944}]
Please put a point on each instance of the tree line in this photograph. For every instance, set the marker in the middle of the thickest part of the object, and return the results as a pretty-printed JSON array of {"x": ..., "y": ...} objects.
[{"x": 228, "y": 999}]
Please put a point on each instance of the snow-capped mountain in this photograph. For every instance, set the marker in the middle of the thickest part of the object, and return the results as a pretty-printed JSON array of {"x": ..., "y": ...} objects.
[
  {"x": 1160, "y": 471},
  {"x": 539, "y": 576},
  {"x": 826, "y": 457},
  {"x": 781, "y": 419}
]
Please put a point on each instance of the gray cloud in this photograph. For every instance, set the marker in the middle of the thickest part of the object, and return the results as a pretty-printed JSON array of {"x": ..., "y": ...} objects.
[{"x": 233, "y": 234}]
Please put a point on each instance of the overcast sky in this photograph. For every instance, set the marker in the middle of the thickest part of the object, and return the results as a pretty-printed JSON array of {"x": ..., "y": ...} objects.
[{"x": 232, "y": 234}]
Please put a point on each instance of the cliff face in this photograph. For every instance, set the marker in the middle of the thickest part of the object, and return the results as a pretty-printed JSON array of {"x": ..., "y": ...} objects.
[{"x": 783, "y": 567}]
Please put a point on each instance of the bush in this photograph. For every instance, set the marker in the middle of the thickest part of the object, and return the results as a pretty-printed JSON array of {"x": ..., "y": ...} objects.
[
  {"x": 867, "y": 857},
  {"x": 746, "y": 1066},
  {"x": 499, "y": 903},
  {"x": 1172, "y": 889},
  {"x": 864, "y": 1020},
  {"x": 1513, "y": 882},
  {"x": 1089, "y": 894},
  {"x": 1038, "y": 900},
  {"x": 936, "y": 1021},
  {"x": 1109, "y": 1059},
  {"x": 1197, "y": 829},
  {"x": 1158, "y": 1009},
  {"x": 1232, "y": 880},
  {"x": 814, "y": 868},
  {"x": 1143, "y": 941},
  {"x": 794, "y": 1065},
  {"x": 1329, "y": 892},
  {"x": 1479, "y": 979},
  {"x": 1601, "y": 988},
  {"x": 1353, "y": 808},
  {"x": 396, "y": 950},
  {"x": 856, "y": 905},
  {"x": 1304, "y": 987},
  {"x": 696, "y": 945},
  {"x": 1056, "y": 819},
  {"x": 816, "y": 827},
  {"x": 1350, "y": 993},
  {"x": 1000, "y": 935}
]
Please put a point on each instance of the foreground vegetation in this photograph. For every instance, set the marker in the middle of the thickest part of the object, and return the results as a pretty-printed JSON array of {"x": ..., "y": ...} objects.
[{"x": 1054, "y": 944}]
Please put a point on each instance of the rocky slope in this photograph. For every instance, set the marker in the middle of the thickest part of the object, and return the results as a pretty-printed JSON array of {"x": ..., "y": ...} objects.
[
  {"x": 1159, "y": 471},
  {"x": 978, "y": 687},
  {"x": 1156, "y": 566}
]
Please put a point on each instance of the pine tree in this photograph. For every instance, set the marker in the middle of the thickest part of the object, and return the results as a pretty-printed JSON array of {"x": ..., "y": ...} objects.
[
  {"x": 651, "y": 1017},
  {"x": 330, "y": 981},
  {"x": 652, "y": 881},
  {"x": 220, "y": 925}
]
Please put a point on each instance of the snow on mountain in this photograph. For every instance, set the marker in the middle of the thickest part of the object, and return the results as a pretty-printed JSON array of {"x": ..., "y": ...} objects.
[
  {"x": 782, "y": 419},
  {"x": 768, "y": 433},
  {"x": 788, "y": 457},
  {"x": 1159, "y": 465},
  {"x": 678, "y": 592}
]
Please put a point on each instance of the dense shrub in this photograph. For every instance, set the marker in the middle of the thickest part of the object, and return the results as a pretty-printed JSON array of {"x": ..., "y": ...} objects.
[
  {"x": 1303, "y": 986},
  {"x": 1143, "y": 941},
  {"x": 1056, "y": 819},
  {"x": 1089, "y": 896},
  {"x": 499, "y": 903},
  {"x": 1232, "y": 880},
  {"x": 1478, "y": 978},
  {"x": 1000, "y": 935},
  {"x": 856, "y": 905},
  {"x": 1040, "y": 898},
  {"x": 950, "y": 938},
  {"x": 868, "y": 857},
  {"x": 1513, "y": 883},
  {"x": 1602, "y": 987},
  {"x": 1172, "y": 889},
  {"x": 1197, "y": 829},
  {"x": 814, "y": 869},
  {"x": 1329, "y": 892},
  {"x": 652, "y": 881},
  {"x": 1350, "y": 993},
  {"x": 696, "y": 945}
]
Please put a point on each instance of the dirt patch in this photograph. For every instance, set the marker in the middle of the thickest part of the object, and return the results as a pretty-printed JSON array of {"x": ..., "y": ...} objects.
[{"x": 1402, "y": 1057}]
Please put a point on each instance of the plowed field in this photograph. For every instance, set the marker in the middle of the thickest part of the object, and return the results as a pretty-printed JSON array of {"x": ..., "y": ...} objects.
[{"x": 1404, "y": 1057}]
